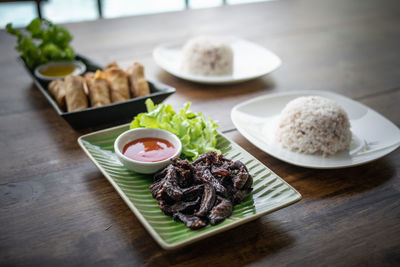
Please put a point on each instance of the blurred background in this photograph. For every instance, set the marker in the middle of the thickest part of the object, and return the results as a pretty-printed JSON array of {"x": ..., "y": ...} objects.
[{"x": 21, "y": 12}]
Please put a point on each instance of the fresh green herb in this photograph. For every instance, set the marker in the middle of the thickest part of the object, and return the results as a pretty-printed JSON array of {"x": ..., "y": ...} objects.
[
  {"x": 43, "y": 42},
  {"x": 196, "y": 134}
]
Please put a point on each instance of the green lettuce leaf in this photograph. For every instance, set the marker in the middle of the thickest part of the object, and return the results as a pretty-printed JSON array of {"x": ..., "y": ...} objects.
[
  {"x": 197, "y": 134},
  {"x": 42, "y": 41}
]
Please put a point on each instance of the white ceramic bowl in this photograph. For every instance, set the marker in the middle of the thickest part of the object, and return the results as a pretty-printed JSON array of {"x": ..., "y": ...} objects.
[
  {"x": 79, "y": 66},
  {"x": 134, "y": 134}
]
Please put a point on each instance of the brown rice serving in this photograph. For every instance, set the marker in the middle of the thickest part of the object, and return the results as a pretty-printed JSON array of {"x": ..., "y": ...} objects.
[
  {"x": 314, "y": 124},
  {"x": 207, "y": 56}
]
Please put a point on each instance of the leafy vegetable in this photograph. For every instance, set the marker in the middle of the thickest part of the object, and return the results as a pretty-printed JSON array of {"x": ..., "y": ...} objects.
[
  {"x": 43, "y": 42},
  {"x": 196, "y": 134}
]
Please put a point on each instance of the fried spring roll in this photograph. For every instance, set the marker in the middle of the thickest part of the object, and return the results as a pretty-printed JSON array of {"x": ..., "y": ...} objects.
[
  {"x": 118, "y": 82},
  {"x": 110, "y": 65},
  {"x": 138, "y": 84},
  {"x": 85, "y": 79},
  {"x": 75, "y": 96},
  {"x": 85, "y": 86},
  {"x": 57, "y": 90},
  {"x": 99, "y": 93},
  {"x": 88, "y": 75}
]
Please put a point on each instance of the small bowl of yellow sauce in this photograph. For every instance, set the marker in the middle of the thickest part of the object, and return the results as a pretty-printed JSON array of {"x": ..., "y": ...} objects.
[{"x": 59, "y": 69}]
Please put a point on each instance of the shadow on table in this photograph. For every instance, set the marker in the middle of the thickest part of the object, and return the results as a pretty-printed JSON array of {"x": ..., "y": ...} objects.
[
  {"x": 341, "y": 182},
  {"x": 197, "y": 91},
  {"x": 239, "y": 246}
]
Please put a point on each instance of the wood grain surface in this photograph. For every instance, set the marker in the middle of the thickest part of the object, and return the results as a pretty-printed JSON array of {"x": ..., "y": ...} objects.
[{"x": 56, "y": 208}]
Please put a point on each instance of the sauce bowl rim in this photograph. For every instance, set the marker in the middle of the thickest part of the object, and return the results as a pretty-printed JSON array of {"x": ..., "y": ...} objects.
[
  {"x": 171, "y": 138},
  {"x": 80, "y": 68}
]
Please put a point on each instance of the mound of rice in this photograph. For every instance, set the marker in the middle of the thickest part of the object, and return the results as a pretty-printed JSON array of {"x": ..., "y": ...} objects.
[
  {"x": 314, "y": 124},
  {"x": 207, "y": 56}
]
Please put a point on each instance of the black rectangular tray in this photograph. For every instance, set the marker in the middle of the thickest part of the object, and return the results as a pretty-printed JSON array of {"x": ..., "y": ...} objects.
[{"x": 109, "y": 114}]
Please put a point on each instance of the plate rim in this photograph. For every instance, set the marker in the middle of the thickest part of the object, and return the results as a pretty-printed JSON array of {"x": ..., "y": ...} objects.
[
  {"x": 216, "y": 79},
  {"x": 191, "y": 240},
  {"x": 302, "y": 93}
]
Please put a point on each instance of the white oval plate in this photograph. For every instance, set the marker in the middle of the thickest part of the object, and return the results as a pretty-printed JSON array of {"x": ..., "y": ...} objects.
[
  {"x": 250, "y": 61},
  {"x": 374, "y": 136}
]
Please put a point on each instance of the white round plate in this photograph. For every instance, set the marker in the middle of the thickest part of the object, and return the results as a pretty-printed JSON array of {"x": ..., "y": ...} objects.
[
  {"x": 374, "y": 136},
  {"x": 250, "y": 61}
]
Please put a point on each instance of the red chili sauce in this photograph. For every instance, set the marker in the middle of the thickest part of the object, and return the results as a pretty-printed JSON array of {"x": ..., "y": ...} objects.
[{"x": 149, "y": 149}]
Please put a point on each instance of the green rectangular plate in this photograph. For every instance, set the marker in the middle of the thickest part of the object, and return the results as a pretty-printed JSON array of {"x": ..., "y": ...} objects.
[{"x": 270, "y": 192}]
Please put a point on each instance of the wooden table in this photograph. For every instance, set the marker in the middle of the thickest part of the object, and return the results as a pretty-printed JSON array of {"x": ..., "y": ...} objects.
[{"x": 57, "y": 209}]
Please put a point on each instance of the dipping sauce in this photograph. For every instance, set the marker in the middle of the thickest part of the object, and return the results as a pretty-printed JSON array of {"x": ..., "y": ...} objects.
[
  {"x": 58, "y": 70},
  {"x": 149, "y": 149}
]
